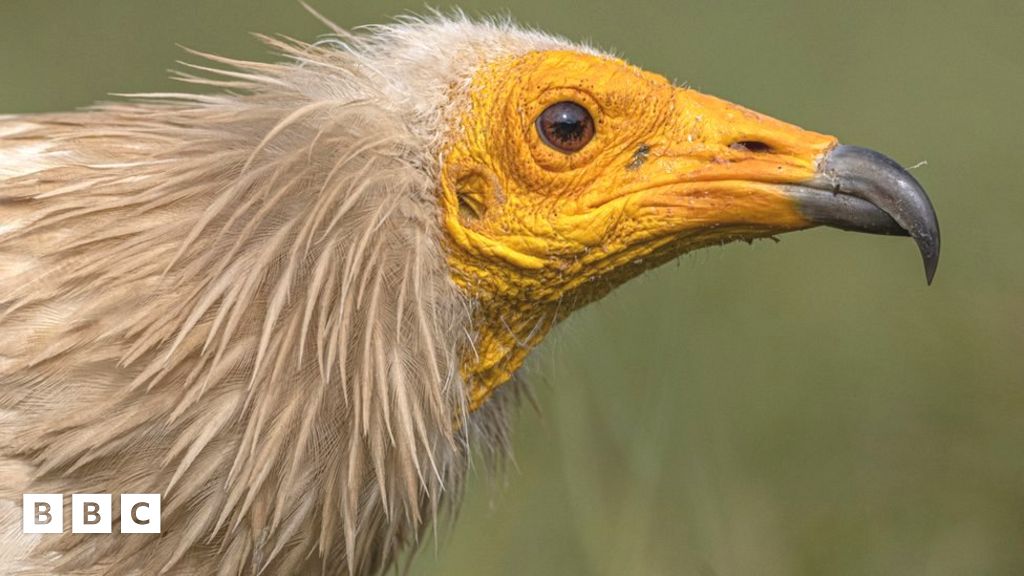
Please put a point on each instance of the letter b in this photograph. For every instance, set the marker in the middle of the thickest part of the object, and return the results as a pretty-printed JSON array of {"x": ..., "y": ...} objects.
[
  {"x": 42, "y": 514},
  {"x": 90, "y": 513}
]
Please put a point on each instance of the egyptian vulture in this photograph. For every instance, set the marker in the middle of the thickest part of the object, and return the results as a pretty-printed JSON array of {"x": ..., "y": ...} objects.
[{"x": 294, "y": 300}]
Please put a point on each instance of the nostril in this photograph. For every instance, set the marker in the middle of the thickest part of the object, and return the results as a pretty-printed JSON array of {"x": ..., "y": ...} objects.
[{"x": 753, "y": 146}]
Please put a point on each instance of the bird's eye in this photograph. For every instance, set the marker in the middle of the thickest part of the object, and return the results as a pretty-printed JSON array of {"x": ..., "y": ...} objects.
[{"x": 565, "y": 126}]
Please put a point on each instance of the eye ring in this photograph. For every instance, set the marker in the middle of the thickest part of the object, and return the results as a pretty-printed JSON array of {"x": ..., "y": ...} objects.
[{"x": 565, "y": 126}]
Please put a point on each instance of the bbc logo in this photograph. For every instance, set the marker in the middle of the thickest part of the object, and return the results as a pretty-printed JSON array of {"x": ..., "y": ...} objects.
[{"x": 90, "y": 513}]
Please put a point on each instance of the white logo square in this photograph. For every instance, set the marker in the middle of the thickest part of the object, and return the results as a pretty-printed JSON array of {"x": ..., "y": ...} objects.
[
  {"x": 140, "y": 513},
  {"x": 91, "y": 513},
  {"x": 42, "y": 513}
]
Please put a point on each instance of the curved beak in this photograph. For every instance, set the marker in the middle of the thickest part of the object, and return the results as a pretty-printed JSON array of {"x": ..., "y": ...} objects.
[
  {"x": 724, "y": 173},
  {"x": 861, "y": 190}
]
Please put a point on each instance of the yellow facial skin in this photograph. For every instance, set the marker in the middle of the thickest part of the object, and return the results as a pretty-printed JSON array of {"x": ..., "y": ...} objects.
[{"x": 533, "y": 233}]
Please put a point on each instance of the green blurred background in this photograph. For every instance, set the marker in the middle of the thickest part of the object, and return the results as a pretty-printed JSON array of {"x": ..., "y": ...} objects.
[{"x": 803, "y": 408}]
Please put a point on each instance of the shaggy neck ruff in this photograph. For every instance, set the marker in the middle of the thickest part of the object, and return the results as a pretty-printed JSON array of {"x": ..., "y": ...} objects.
[{"x": 241, "y": 301}]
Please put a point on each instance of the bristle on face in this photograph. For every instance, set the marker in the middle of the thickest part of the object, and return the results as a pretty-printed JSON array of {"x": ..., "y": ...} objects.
[{"x": 238, "y": 299}]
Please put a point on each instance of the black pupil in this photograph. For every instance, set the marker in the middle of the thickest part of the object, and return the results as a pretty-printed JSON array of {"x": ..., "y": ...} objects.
[{"x": 566, "y": 126}]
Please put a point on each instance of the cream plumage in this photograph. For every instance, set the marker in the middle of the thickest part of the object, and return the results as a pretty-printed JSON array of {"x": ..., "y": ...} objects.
[{"x": 239, "y": 301}]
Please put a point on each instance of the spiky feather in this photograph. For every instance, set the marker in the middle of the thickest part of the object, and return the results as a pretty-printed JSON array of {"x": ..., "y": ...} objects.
[{"x": 239, "y": 300}]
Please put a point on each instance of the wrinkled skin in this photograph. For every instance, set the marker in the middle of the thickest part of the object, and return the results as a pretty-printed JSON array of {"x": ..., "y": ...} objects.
[{"x": 534, "y": 232}]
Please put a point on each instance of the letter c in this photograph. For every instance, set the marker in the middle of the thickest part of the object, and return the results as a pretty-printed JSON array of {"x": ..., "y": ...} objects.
[{"x": 135, "y": 516}]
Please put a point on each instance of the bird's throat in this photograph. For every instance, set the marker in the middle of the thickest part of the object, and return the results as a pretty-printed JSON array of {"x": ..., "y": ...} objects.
[{"x": 504, "y": 335}]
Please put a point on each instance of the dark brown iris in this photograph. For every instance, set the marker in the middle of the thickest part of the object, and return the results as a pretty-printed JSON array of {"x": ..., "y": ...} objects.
[{"x": 565, "y": 126}]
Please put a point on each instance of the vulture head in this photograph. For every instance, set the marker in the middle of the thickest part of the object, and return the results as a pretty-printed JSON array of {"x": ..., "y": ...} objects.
[{"x": 294, "y": 301}]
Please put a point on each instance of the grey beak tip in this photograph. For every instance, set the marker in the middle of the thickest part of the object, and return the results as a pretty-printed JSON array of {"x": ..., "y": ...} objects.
[
  {"x": 893, "y": 200},
  {"x": 930, "y": 255}
]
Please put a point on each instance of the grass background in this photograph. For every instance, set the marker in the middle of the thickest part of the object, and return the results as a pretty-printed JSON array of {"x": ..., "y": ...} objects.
[{"x": 803, "y": 408}]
